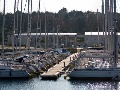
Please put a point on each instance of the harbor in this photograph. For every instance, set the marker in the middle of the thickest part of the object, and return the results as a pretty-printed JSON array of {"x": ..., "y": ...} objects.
[
  {"x": 28, "y": 54},
  {"x": 66, "y": 50}
]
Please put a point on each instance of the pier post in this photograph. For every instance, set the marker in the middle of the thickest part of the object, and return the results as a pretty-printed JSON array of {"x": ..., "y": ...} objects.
[
  {"x": 70, "y": 59},
  {"x": 64, "y": 64}
]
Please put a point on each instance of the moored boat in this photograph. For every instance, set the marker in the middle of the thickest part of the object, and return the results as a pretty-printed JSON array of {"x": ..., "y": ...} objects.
[
  {"x": 95, "y": 64},
  {"x": 9, "y": 72}
]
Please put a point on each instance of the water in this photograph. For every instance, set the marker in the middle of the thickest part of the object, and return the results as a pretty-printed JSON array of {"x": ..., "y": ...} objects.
[{"x": 60, "y": 84}]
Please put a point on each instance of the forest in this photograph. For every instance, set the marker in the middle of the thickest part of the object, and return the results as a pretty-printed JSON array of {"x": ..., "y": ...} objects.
[{"x": 67, "y": 22}]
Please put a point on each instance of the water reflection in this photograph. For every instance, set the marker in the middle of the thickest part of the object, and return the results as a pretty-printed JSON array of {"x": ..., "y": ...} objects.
[
  {"x": 95, "y": 85},
  {"x": 60, "y": 84},
  {"x": 14, "y": 84}
]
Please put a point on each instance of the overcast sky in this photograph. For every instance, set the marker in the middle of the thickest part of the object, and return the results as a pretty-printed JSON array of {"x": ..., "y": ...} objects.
[{"x": 56, "y": 5}]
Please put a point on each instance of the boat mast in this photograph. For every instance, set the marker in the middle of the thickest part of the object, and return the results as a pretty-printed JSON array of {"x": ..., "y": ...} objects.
[
  {"x": 45, "y": 28},
  {"x": 103, "y": 17},
  {"x": 111, "y": 26},
  {"x": 14, "y": 27},
  {"x": 40, "y": 34},
  {"x": 108, "y": 27},
  {"x": 53, "y": 33},
  {"x": 98, "y": 28},
  {"x": 37, "y": 26},
  {"x": 30, "y": 25},
  {"x": 28, "y": 36},
  {"x": 115, "y": 36},
  {"x": 40, "y": 25},
  {"x": 17, "y": 34},
  {"x": 3, "y": 28},
  {"x": 106, "y": 23},
  {"x": 20, "y": 27}
]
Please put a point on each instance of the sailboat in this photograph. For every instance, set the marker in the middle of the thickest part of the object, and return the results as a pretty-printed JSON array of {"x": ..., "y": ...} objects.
[
  {"x": 95, "y": 64},
  {"x": 6, "y": 69},
  {"x": 12, "y": 71},
  {"x": 98, "y": 64}
]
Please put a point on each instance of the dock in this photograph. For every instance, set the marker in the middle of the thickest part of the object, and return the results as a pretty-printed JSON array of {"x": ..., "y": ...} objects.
[{"x": 55, "y": 71}]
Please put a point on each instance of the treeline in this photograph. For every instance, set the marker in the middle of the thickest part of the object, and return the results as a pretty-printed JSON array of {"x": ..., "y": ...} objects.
[{"x": 67, "y": 22}]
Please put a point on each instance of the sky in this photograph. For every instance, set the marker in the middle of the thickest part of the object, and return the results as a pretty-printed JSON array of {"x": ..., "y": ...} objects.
[{"x": 56, "y": 5}]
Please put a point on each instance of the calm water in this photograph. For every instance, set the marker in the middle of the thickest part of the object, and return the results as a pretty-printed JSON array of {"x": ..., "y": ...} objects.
[{"x": 60, "y": 84}]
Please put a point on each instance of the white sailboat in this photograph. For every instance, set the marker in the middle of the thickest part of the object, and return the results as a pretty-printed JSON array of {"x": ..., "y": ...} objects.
[
  {"x": 95, "y": 64},
  {"x": 98, "y": 64},
  {"x": 8, "y": 71},
  {"x": 11, "y": 72}
]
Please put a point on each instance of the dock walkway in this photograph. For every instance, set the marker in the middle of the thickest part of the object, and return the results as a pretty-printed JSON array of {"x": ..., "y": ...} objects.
[{"x": 54, "y": 72}]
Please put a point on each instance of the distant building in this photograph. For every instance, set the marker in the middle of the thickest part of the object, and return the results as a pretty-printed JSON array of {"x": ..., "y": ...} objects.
[
  {"x": 92, "y": 38},
  {"x": 66, "y": 39}
]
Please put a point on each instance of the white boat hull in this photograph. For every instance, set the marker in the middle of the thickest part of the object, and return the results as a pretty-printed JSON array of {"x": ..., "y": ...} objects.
[
  {"x": 86, "y": 73},
  {"x": 14, "y": 74}
]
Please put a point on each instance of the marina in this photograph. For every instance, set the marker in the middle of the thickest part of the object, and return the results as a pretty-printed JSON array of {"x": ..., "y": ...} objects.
[
  {"x": 59, "y": 51},
  {"x": 52, "y": 57}
]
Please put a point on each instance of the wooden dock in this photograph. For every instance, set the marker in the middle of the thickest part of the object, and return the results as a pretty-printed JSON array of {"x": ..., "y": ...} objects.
[{"x": 55, "y": 72}]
